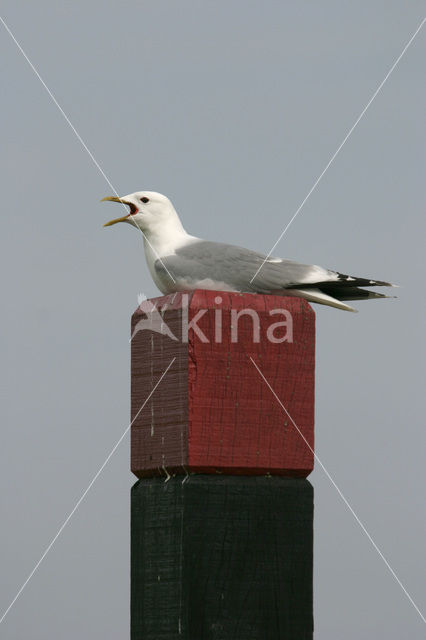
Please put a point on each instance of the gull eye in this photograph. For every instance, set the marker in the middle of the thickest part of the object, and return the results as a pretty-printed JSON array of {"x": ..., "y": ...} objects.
[{"x": 144, "y": 199}]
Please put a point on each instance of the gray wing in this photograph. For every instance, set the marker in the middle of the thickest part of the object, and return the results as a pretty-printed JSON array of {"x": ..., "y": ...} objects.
[{"x": 236, "y": 267}]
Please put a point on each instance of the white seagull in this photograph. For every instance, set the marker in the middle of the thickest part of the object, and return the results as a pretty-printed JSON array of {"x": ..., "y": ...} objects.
[{"x": 179, "y": 261}]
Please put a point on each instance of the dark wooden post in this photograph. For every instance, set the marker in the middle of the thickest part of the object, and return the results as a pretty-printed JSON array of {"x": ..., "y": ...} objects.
[{"x": 222, "y": 514}]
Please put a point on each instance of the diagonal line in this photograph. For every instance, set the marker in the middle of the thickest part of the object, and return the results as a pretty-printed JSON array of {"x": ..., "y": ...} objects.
[
  {"x": 318, "y": 180},
  {"x": 341, "y": 494},
  {"x": 79, "y": 138},
  {"x": 84, "y": 494}
]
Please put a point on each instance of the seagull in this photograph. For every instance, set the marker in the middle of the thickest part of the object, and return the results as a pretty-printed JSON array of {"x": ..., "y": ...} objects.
[{"x": 179, "y": 261}]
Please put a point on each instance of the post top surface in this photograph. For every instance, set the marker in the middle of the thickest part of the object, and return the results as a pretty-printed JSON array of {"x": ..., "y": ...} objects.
[{"x": 207, "y": 299}]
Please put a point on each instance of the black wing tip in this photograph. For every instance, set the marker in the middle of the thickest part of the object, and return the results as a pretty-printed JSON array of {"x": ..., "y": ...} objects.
[{"x": 363, "y": 282}]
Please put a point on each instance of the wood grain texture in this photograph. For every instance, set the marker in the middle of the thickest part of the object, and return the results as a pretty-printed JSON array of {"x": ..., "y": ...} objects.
[
  {"x": 221, "y": 558},
  {"x": 213, "y": 413}
]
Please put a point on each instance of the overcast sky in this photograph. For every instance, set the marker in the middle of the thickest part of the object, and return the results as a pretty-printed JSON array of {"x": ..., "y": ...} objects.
[{"x": 232, "y": 109}]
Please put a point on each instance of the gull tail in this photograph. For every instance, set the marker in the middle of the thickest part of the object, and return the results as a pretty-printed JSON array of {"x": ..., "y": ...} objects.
[
  {"x": 315, "y": 295},
  {"x": 339, "y": 288}
]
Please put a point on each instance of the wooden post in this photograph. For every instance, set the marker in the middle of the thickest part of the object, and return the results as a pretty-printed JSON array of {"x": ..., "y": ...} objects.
[{"x": 226, "y": 551}]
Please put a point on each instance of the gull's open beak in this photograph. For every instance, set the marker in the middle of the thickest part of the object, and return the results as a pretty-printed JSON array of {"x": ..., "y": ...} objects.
[{"x": 115, "y": 199}]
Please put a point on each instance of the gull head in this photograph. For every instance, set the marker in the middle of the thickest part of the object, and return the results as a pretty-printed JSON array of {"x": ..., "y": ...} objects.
[{"x": 148, "y": 211}]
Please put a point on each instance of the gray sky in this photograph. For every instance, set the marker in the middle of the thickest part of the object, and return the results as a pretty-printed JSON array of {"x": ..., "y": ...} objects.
[{"x": 232, "y": 110}]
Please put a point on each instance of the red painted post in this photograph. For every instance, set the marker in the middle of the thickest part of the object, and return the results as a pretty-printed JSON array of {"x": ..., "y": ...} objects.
[
  {"x": 226, "y": 551},
  {"x": 212, "y": 413}
]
